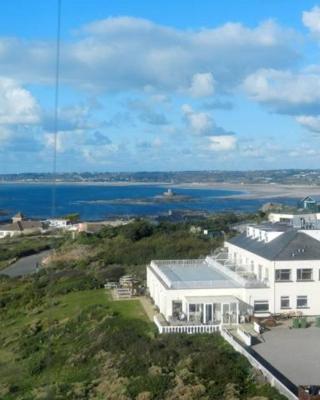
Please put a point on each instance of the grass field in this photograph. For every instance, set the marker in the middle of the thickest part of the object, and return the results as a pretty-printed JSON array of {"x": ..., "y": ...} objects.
[{"x": 59, "y": 333}]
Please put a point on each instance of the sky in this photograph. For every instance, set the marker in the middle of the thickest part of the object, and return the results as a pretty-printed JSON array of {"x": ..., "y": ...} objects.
[{"x": 170, "y": 85}]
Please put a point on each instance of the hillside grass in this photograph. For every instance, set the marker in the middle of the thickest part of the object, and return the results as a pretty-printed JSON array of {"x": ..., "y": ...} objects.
[
  {"x": 63, "y": 337},
  {"x": 18, "y": 329}
]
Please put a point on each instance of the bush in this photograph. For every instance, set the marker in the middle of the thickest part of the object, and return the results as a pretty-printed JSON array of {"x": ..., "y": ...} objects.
[
  {"x": 296, "y": 323},
  {"x": 303, "y": 322}
]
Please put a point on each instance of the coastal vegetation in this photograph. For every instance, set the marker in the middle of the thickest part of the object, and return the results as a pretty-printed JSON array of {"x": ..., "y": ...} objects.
[{"x": 63, "y": 337}]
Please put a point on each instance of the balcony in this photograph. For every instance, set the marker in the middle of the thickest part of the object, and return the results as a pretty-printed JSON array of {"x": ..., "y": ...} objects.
[{"x": 240, "y": 273}]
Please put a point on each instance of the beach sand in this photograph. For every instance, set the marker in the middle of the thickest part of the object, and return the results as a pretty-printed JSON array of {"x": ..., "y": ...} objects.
[
  {"x": 258, "y": 191},
  {"x": 248, "y": 191}
]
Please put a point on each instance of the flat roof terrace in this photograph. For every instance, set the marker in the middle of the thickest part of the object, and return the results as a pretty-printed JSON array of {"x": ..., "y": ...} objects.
[
  {"x": 193, "y": 274},
  {"x": 293, "y": 352}
]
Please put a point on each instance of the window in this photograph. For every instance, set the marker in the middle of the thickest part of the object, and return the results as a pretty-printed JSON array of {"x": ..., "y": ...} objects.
[
  {"x": 283, "y": 275},
  {"x": 302, "y": 301},
  {"x": 266, "y": 274},
  {"x": 304, "y": 274},
  {"x": 285, "y": 302},
  {"x": 252, "y": 266},
  {"x": 176, "y": 308},
  {"x": 261, "y": 306}
]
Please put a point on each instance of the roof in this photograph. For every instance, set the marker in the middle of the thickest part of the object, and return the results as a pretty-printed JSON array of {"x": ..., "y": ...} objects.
[
  {"x": 272, "y": 227},
  {"x": 308, "y": 198},
  {"x": 20, "y": 226},
  {"x": 11, "y": 227},
  {"x": 291, "y": 245},
  {"x": 192, "y": 274}
]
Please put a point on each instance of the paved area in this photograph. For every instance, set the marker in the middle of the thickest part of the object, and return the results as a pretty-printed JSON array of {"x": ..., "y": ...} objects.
[
  {"x": 294, "y": 352},
  {"x": 148, "y": 307},
  {"x": 25, "y": 266}
]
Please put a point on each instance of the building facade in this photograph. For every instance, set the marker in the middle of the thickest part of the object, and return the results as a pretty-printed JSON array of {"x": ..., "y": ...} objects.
[{"x": 269, "y": 269}]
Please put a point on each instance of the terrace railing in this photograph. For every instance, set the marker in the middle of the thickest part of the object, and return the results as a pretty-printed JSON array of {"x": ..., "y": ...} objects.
[{"x": 187, "y": 328}]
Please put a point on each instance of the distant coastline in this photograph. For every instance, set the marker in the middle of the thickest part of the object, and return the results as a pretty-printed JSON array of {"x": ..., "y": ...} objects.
[{"x": 246, "y": 190}]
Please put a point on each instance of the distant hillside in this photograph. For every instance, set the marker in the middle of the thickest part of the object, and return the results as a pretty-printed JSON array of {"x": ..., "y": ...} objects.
[{"x": 283, "y": 176}]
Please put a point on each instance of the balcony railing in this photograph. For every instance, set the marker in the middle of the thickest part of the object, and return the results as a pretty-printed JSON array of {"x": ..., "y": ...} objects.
[
  {"x": 240, "y": 273},
  {"x": 188, "y": 328}
]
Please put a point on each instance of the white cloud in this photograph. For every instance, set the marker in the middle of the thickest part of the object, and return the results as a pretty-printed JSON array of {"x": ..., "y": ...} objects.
[
  {"x": 199, "y": 122},
  {"x": 202, "y": 85},
  {"x": 309, "y": 122},
  {"x": 126, "y": 53},
  {"x": 17, "y": 105},
  {"x": 311, "y": 20},
  {"x": 285, "y": 91},
  {"x": 222, "y": 143}
]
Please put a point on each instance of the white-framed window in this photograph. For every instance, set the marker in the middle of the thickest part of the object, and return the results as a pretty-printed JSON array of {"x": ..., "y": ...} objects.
[
  {"x": 284, "y": 302},
  {"x": 302, "y": 301},
  {"x": 304, "y": 274},
  {"x": 266, "y": 274},
  {"x": 261, "y": 306},
  {"x": 283, "y": 275},
  {"x": 252, "y": 266}
]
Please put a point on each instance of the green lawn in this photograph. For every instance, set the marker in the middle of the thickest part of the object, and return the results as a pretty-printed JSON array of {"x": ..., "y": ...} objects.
[{"x": 72, "y": 303}]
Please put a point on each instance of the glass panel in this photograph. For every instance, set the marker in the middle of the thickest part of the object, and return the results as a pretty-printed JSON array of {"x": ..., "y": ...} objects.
[
  {"x": 217, "y": 312},
  {"x": 302, "y": 301},
  {"x": 176, "y": 308},
  {"x": 304, "y": 274},
  {"x": 283, "y": 275},
  {"x": 226, "y": 313},
  {"x": 196, "y": 313},
  {"x": 209, "y": 315},
  {"x": 261, "y": 306},
  {"x": 233, "y": 313},
  {"x": 285, "y": 302}
]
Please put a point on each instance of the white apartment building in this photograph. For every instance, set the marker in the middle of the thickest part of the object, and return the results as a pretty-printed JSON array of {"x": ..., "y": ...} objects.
[{"x": 269, "y": 269}]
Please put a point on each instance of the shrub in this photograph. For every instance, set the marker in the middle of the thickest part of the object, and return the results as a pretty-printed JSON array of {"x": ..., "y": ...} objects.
[{"x": 296, "y": 323}]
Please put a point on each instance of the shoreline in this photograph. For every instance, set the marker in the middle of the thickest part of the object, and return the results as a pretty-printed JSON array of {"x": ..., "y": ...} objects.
[{"x": 247, "y": 190}]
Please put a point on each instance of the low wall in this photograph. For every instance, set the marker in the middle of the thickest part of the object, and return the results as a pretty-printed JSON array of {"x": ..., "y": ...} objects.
[{"x": 246, "y": 337}]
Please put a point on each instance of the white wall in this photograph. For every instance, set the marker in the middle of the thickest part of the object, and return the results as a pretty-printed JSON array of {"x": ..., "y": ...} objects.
[
  {"x": 294, "y": 288},
  {"x": 4, "y": 234},
  {"x": 163, "y": 296},
  {"x": 291, "y": 289}
]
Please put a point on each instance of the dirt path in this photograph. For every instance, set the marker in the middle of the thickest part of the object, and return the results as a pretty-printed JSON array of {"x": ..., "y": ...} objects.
[{"x": 148, "y": 307}]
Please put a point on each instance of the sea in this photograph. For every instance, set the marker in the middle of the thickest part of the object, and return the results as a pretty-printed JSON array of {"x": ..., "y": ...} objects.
[{"x": 98, "y": 202}]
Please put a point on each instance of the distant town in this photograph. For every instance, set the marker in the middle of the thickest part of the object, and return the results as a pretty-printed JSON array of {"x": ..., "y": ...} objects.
[{"x": 281, "y": 176}]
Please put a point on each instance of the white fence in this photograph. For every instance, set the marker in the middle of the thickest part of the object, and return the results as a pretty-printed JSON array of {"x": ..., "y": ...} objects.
[
  {"x": 256, "y": 364},
  {"x": 191, "y": 329}
]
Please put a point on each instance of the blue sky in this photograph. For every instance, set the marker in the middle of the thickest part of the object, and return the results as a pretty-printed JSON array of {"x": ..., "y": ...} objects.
[{"x": 180, "y": 85}]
